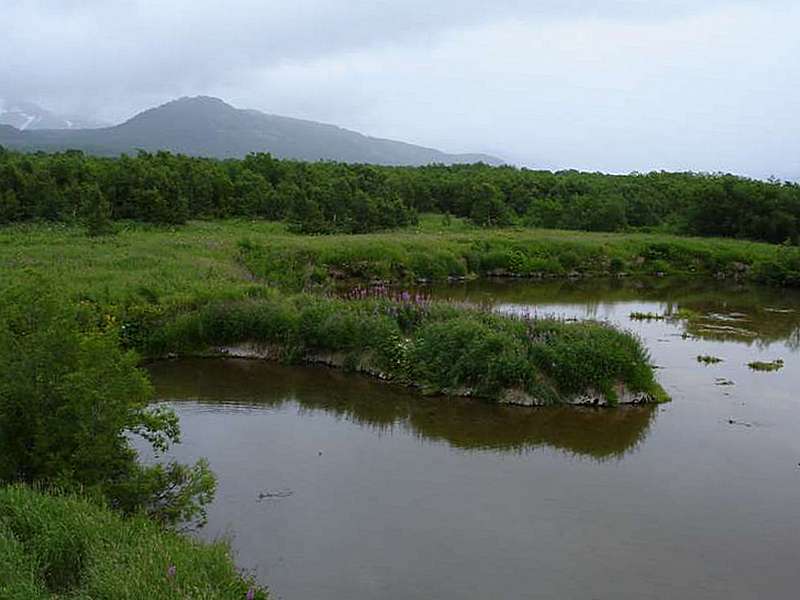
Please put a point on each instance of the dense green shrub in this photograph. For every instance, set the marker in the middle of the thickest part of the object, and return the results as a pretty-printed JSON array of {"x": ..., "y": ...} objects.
[
  {"x": 96, "y": 209},
  {"x": 69, "y": 399},
  {"x": 781, "y": 269},
  {"x": 466, "y": 353},
  {"x": 583, "y": 356}
]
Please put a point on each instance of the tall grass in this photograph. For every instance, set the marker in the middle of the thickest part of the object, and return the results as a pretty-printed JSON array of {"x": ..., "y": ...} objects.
[
  {"x": 226, "y": 258},
  {"x": 429, "y": 254},
  {"x": 67, "y": 547}
]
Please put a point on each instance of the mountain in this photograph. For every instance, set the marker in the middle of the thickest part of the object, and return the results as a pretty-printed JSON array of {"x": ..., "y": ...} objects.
[
  {"x": 27, "y": 116},
  {"x": 203, "y": 126}
]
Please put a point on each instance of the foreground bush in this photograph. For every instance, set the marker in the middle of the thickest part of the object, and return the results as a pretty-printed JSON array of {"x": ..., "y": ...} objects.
[
  {"x": 67, "y": 547},
  {"x": 69, "y": 399}
]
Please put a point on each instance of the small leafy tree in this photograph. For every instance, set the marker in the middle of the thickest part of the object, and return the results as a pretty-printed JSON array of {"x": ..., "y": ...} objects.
[
  {"x": 97, "y": 209},
  {"x": 305, "y": 216},
  {"x": 488, "y": 207},
  {"x": 544, "y": 212},
  {"x": 69, "y": 400},
  {"x": 9, "y": 206}
]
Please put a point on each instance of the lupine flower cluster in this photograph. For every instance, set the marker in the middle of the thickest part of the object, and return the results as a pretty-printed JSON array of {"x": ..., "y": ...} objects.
[
  {"x": 401, "y": 305},
  {"x": 382, "y": 292}
]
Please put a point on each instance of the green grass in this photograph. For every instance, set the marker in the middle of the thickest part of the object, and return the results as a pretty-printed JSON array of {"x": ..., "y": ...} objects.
[
  {"x": 224, "y": 258},
  {"x": 66, "y": 547},
  {"x": 147, "y": 278},
  {"x": 438, "y": 347},
  {"x": 171, "y": 289},
  {"x": 423, "y": 254}
]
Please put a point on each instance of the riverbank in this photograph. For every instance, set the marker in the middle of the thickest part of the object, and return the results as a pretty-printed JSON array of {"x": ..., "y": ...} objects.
[
  {"x": 64, "y": 546},
  {"x": 303, "y": 263},
  {"x": 210, "y": 258}
]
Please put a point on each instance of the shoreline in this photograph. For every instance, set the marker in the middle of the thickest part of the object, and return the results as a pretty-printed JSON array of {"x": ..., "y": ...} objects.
[{"x": 338, "y": 361}]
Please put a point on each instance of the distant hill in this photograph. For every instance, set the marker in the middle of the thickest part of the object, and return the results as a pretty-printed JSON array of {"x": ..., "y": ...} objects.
[
  {"x": 28, "y": 116},
  {"x": 203, "y": 126}
]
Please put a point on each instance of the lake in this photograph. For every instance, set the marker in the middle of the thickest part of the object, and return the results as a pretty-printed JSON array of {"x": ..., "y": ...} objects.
[{"x": 335, "y": 486}]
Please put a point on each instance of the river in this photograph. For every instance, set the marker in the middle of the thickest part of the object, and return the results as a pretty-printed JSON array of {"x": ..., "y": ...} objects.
[{"x": 334, "y": 486}]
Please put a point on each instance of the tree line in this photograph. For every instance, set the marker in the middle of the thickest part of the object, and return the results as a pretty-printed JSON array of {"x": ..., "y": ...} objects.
[{"x": 330, "y": 197}]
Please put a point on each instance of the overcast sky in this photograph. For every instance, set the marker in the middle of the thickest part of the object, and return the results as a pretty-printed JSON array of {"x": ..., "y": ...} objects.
[{"x": 610, "y": 85}]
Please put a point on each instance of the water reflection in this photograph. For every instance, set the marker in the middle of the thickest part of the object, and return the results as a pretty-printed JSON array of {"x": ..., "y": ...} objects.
[
  {"x": 464, "y": 424},
  {"x": 706, "y": 308}
]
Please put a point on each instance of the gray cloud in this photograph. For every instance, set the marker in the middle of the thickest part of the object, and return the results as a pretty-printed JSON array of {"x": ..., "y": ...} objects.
[{"x": 605, "y": 84}]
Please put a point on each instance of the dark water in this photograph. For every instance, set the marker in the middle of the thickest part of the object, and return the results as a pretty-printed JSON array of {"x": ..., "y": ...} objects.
[{"x": 374, "y": 492}]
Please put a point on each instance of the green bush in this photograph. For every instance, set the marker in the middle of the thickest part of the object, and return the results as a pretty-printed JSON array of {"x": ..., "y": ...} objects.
[
  {"x": 583, "y": 356},
  {"x": 464, "y": 352},
  {"x": 783, "y": 269},
  {"x": 70, "y": 398}
]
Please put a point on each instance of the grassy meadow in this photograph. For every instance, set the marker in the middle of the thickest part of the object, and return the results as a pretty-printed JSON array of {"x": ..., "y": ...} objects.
[
  {"x": 216, "y": 283},
  {"x": 185, "y": 290},
  {"x": 212, "y": 259}
]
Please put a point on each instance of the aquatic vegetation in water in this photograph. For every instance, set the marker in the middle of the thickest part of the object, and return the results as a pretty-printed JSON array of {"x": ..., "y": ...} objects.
[
  {"x": 679, "y": 315},
  {"x": 707, "y": 359},
  {"x": 768, "y": 367},
  {"x": 683, "y": 314},
  {"x": 646, "y": 316}
]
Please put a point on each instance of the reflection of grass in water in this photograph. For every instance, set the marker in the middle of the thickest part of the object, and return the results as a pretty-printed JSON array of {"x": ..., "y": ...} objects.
[
  {"x": 598, "y": 433},
  {"x": 466, "y": 424},
  {"x": 646, "y": 316},
  {"x": 774, "y": 365},
  {"x": 681, "y": 314}
]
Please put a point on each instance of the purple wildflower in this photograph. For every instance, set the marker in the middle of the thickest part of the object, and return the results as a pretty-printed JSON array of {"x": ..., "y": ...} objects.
[
  {"x": 251, "y": 594},
  {"x": 171, "y": 571}
]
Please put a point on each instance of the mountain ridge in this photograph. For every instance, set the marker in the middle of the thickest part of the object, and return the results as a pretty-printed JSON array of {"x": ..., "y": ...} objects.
[{"x": 208, "y": 126}]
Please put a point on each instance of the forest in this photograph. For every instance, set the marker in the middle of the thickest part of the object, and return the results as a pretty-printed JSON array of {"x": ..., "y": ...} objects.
[{"x": 331, "y": 197}]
